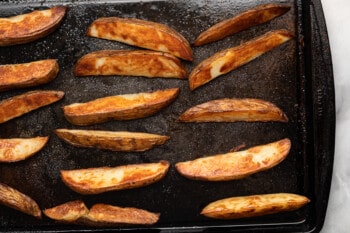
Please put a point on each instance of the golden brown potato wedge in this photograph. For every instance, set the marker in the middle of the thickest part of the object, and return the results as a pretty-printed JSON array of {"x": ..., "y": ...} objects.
[
  {"x": 255, "y": 205},
  {"x": 14, "y": 76},
  {"x": 250, "y": 18},
  {"x": 69, "y": 212},
  {"x": 142, "y": 33},
  {"x": 133, "y": 63},
  {"x": 232, "y": 110},
  {"x": 111, "y": 140},
  {"x": 28, "y": 27},
  {"x": 119, "y": 107},
  {"x": 107, "y": 215},
  {"x": 24, "y": 103},
  {"x": 103, "y": 179},
  {"x": 14, "y": 199},
  {"x": 232, "y": 58},
  {"x": 17, "y": 149},
  {"x": 100, "y": 215},
  {"x": 236, "y": 165}
]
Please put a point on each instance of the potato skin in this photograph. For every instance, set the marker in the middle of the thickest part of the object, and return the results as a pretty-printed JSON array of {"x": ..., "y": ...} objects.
[
  {"x": 15, "y": 76},
  {"x": 27, "y": 102},
  {"x": 142, "y": 33},
  {"x": 29, "y": 27},
  {"x": 144, "y": 63},
  {"x": 229, "y": 59},
  {"x": 104, "y": 179},
  {"x": 111, "y": 140},
  {"x": 16, "y": 200},
  {"x": 120, "y": 107},
  {"x": 17, "y": 149},
  {"x": 233, "y": 110},
  {"x": 250, "y": 18},
  {"x": 235, "y": 165},
  {"x": 254, "y": 205}
]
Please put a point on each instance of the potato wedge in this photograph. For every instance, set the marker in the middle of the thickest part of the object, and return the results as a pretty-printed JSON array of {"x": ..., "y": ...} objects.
[
  {"x": 14, "y": 199},
  {"x": 235, "y": 165},
  {"x": 254, "y": 205},
  {"x": 103, "y": 179},
  {"x": 232, "y": 58},
  {"x": 28, "y": 27},
  {"x": 15, "y": 76},
  {"x": 17, "y": 149},
  {"x": 250, "y": 18},
  {"x": 107, "y": 215},
  {"x": 100, "y": 215},
  {"x": 142, "y": 33},
  {"x": 232, "y": 110},
  {"x": 119, "y": 107},
  {"x": 69, "y": 212},
  {"x": 133, "y": 63},
  {"x": 27, "y": 102},
  {"x": 111, "y": 140}
]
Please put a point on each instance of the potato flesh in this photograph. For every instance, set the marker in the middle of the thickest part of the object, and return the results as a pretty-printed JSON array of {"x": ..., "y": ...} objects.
[
  {"x": 27, "y": 102},
  {"x": 141, "y": 33},
  {"x": 103, "y": 179},
  {"x": 235, "y": 165},
  {"x": 14, "y": 76},
  {"x": 232, "y": 110},
  {"x": 67, "y": 212},
  {"x": 115, "y": 141},
  {"x": 25, "y": 28},
  {"x": 133, "y": 63},
  {"x": 16, "y": 149},
  {"x": 14, "y": 199},
  {"x": 232, "y": 58},
  {"x": 120, "y": 107},
  {"x": 255, "y": 205},
  {"x": 240, "y": 22},
  {"x": 100, "y": 215}
]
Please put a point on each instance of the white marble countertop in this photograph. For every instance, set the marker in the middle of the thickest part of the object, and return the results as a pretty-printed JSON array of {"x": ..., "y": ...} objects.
[{"x": 337, "y": 14}]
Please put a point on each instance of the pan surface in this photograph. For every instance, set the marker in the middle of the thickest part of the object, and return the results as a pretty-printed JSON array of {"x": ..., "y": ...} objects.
[{"x": 295, "y": 76}]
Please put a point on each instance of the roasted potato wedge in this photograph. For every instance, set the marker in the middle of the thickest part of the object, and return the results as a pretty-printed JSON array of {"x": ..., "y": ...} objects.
[
  {"x": 24, "y": 103},
  {"x": 132, "y": 62},
  {"x": 250, "y": 18},
  {"x": 232, "y": 110},
  {"x": 14, "y": 199},
  {"x": 17, "y": 149},
  {"x": 69, "y": 212},
  {"x": 109, "y": 140},
  {"x": 141, "y": 33},
  {"x": 103, "y": 179},
  {"x": 100, "y": 215},
  {"x": 107, "y": 215},
  {"x": 28, "y": 27},
  {"x": 119, "y": 107},
  {"x": 235, "y": 165},
  {"x": 232, "y": 58},
  {"x": 255, "y": 205},
  {"x": 15, "y": 76}
]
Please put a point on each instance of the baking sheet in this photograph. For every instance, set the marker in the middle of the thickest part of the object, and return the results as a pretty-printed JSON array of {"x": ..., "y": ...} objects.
[{"x": 296, "y": 76}]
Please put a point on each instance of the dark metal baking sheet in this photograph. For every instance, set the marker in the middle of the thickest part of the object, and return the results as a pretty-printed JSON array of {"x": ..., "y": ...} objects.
[{"x": 296, "y": 76}]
